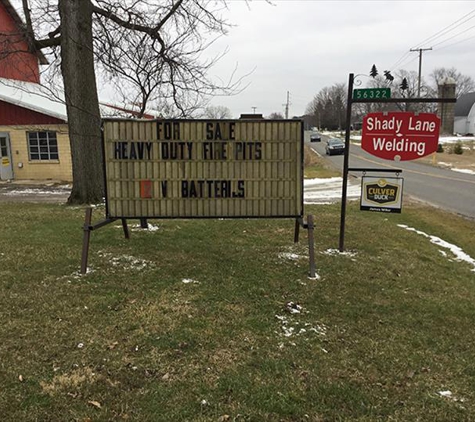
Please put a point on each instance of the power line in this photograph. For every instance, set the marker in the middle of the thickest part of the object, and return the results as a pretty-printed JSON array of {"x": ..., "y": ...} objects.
[
  {"x": 455, "y": 43},
  {"x": 454, "y": 36},
  {"x": 465, "y": 18},
  {"x": 447, "y": 29},
  {"x": 408, "y": 60}
]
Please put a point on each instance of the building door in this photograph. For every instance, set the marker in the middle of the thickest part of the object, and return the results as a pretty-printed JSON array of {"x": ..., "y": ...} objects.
[{"x": 6, "y": 165}]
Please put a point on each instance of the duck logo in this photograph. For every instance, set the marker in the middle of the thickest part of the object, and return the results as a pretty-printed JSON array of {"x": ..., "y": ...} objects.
[{"x": 381, "y": 194}]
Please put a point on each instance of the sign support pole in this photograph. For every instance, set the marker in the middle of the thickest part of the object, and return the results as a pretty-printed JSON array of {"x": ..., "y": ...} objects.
[
  {"x": 86, "y": 239},
  {"x": 298, "y": 223},
  {"x": 345, "y": 163},
  {"x": 311, "y": 246}
]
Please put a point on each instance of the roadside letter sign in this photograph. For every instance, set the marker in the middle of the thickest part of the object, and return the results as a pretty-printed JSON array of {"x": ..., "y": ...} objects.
[{"x": 400, "y": 136}]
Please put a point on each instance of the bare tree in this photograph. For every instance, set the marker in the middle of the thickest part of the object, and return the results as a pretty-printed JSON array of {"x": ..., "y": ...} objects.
[
  {"x": 144, "y": 76},
  {"x": 329, "y": 107},
  {"x": 73, "y": 30},
  {"x": 463, "y": 83},
  {"x": 217, "y": 112},
  {"x": 276, "y": 115}
]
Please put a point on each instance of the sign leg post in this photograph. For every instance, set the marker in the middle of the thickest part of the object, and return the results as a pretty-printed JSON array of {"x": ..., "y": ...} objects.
[
  {"x": 143, "y": 223},
  {"x": 311, "y": 245},
  {"x": 297, "y": 230},
  {"x": 346, "y": 158},
  {"x": 86, "y": 239},
  {"x": 126, "y": 228}
]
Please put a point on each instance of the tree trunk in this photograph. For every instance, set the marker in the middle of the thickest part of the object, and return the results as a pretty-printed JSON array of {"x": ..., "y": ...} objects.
[{"x": 84, "y": 120}]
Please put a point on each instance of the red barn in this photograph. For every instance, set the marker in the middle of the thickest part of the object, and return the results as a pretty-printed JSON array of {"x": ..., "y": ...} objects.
[
  {"x": 34, "y": 138},
  {"x": 18, "y": 60}
]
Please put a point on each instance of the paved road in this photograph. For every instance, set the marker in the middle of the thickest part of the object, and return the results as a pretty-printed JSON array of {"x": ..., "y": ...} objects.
[{"x": 442, "y": 188}]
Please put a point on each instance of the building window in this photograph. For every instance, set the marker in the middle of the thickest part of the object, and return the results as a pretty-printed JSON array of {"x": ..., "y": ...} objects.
[{"x": 42, "y": 146}]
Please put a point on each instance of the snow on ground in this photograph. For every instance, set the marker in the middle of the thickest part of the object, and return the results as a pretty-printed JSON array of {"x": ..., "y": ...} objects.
[
  {"x": 454, "y": 139},
  {"x": 466, "y": 171},
  {"x": 334, "y": 252},
  {"x": 189, "y": 281},
  {"x": 126, "y": 262},
  {"x": 460, "y": 255},
  {"x": 20, "y": 192},
  {"x": 138, "y": 228},
  {"x": 327, "y": 191}
]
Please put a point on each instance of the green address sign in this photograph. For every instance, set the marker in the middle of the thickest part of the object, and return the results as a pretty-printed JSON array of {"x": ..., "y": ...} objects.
[{"x": 371, "y": 93}]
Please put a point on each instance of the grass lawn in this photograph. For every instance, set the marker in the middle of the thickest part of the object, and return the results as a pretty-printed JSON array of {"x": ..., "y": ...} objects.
[{"x": 216, "y": 320}]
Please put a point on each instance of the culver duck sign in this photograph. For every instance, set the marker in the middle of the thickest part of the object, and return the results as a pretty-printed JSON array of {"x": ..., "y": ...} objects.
[{"x": 400, "y": 136}]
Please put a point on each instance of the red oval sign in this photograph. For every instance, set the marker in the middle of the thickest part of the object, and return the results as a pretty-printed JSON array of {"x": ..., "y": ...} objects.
[{"x": 400, "y": 136}]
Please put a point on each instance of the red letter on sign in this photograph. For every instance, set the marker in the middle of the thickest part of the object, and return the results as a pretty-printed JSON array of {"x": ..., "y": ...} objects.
[{"x": 145, "y": 188}]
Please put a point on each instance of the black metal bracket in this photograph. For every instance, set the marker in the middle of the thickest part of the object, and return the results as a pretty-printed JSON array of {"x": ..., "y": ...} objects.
[
  {"x": 88, "y": 228},
  {"x": 309, "y": 226}
]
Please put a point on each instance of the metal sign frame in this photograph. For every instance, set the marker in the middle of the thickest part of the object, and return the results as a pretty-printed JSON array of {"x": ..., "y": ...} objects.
[
  {"x": 350, "y": 102},
  {"x": 109, "y": 218},
  {"x": 299, "y": 207}
]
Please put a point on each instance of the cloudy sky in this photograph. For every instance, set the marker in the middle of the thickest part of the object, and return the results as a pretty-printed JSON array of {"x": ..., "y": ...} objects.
[{"x": 301, "y": 46}]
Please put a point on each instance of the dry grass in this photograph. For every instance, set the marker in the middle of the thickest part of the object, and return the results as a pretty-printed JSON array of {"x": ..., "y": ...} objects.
[
  {"x": 316, "y": 166},
  {"x": 377, "y": 337},
  {"x": 449, "y": 159}
]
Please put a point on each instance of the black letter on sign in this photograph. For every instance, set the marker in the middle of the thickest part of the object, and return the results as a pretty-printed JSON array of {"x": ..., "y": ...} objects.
[{"x": 164, "y": 188}]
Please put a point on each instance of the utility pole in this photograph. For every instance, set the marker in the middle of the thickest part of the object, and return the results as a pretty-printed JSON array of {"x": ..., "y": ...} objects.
[
  {"x": 254, "y": 110},
  {"x": 287, "y": 104},
  {"x": 420, "y": 50}
]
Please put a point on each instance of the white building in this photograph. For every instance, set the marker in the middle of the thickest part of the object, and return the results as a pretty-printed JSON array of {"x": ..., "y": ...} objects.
[{"x": 465, "y": 114}]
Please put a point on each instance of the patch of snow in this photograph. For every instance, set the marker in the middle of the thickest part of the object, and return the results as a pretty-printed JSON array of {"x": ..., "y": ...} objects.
[
  {"x": 76, "y": 275},
  {"x": 333, "y": 252},
  {"x": 449, "y": 394},
  {"x": 189, "y": 281},
  {"x": 138, "y": 227},
  {"x": 454, "y": 139},
  {"x": 294, "y": 329},
  {"x": 20, "y": 192},
  {"x": 127, "y": 262},
  {"x": 289, "y": 255},
  {"x": 318, "y": 191},
  {"x": 445, "y": 393},
  {"x": 293, "y": 308},
  {"x": 466, "y": 171},
  {"x": 460, "y": 255}
]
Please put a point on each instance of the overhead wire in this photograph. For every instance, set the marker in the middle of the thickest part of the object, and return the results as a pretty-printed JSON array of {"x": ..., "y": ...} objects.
[
  {"x": 455, "y": 43},
  {"x": 454, "y": 36},
  {"x": 402, "y": 61},
  {"x": 465, "y": 18}
]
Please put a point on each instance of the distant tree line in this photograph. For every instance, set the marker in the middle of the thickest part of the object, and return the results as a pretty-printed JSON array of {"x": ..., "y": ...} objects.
[{"x": 328, "y": 107}]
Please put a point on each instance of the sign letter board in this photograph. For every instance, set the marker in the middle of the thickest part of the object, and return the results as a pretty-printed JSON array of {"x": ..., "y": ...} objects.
[
  {"x": 203, "y": 168},
  {"x": 400, "y": 136}
]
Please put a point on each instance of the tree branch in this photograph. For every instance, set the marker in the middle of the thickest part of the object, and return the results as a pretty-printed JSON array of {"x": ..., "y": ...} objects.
[
  {"x": 48, "y": 42},
  {"x": 153, "y": 32}
]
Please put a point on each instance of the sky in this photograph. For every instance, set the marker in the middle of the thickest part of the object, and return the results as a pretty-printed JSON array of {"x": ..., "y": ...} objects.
[{"x": 302, "y": 46}]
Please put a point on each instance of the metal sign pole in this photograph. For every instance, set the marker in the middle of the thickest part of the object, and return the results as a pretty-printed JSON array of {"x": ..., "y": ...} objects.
[
  {"x": 350, "y": 102},
  {"x": 345, "y": 163}
]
